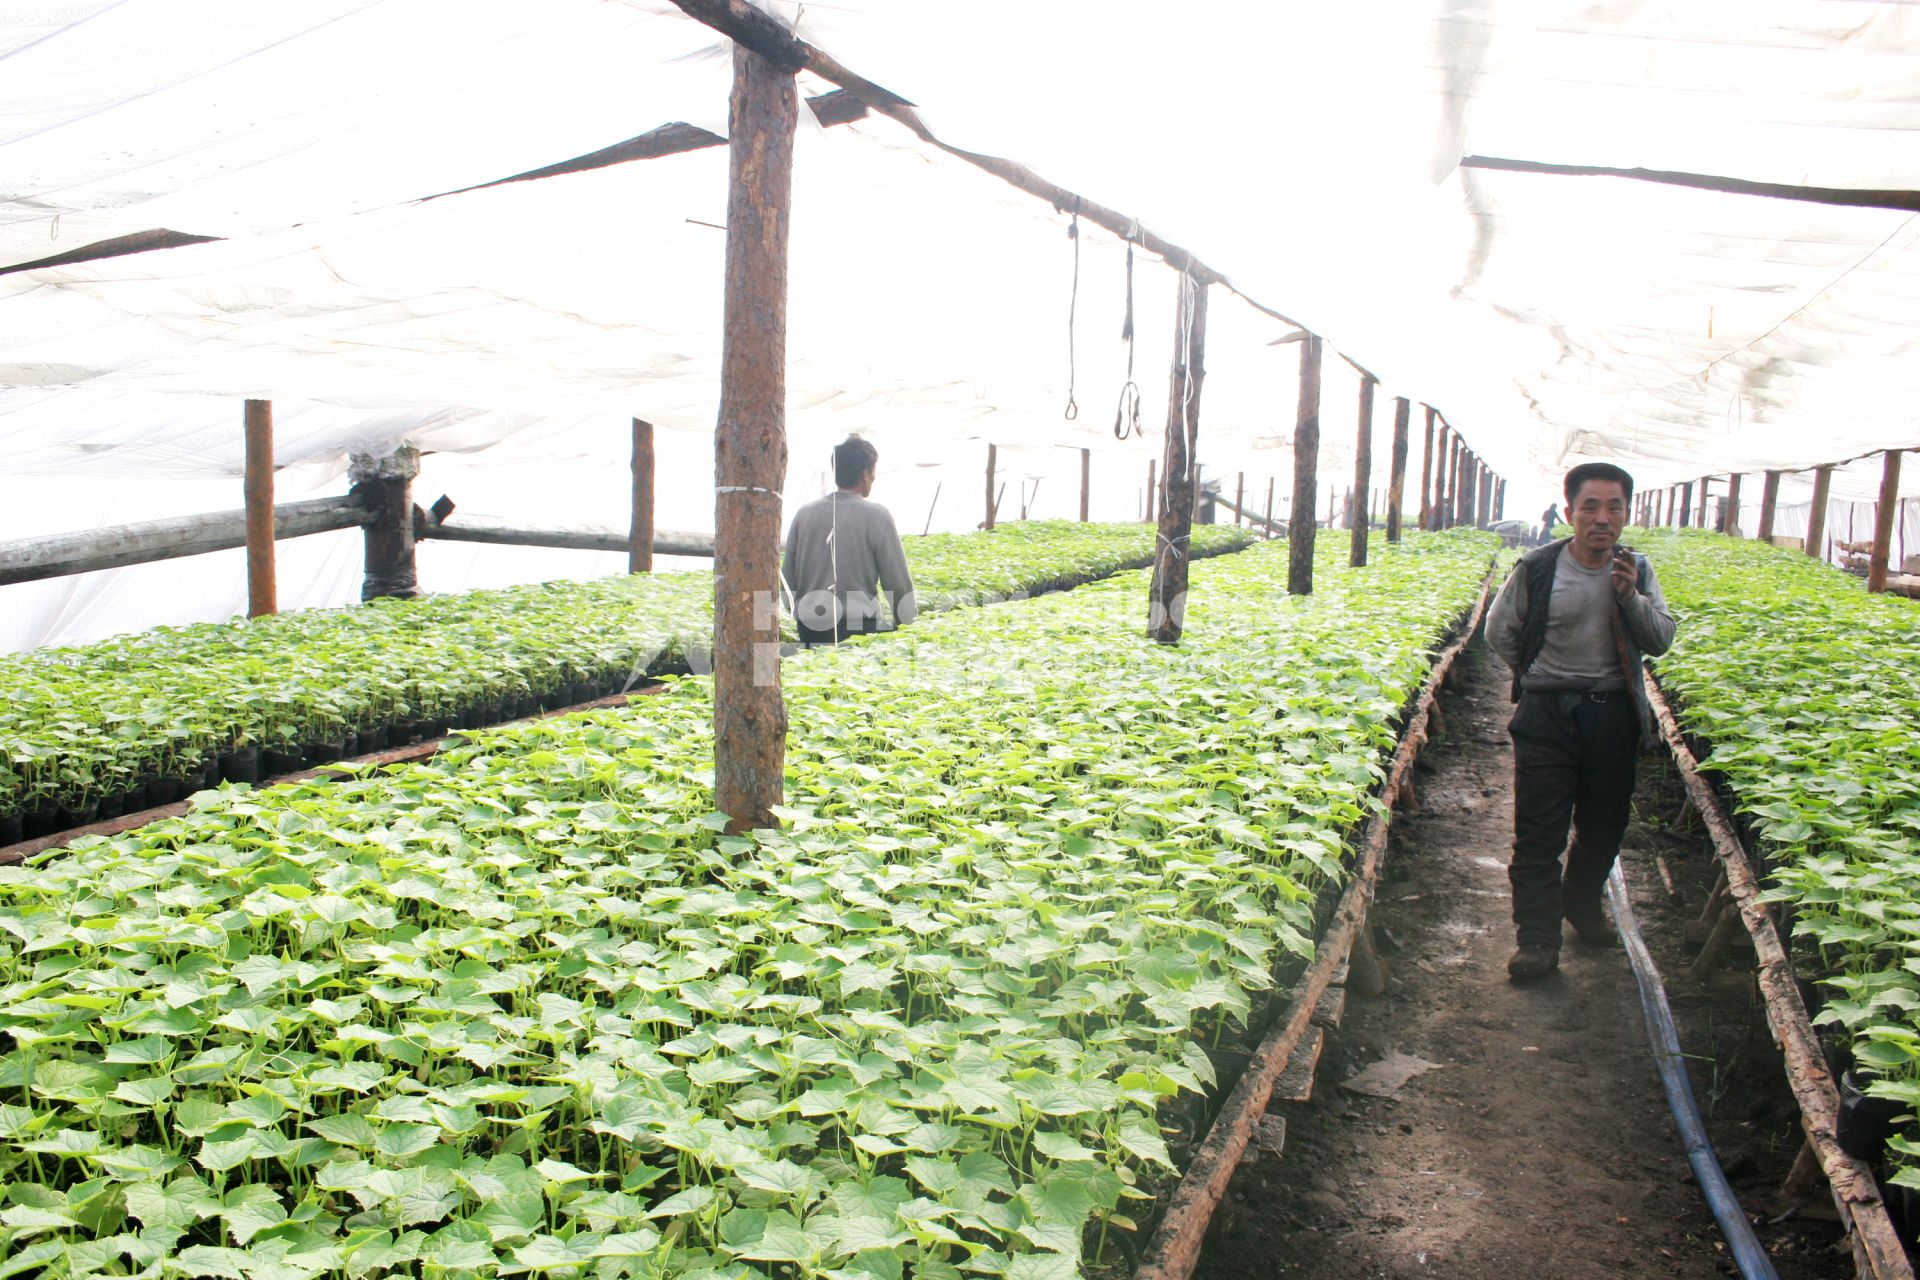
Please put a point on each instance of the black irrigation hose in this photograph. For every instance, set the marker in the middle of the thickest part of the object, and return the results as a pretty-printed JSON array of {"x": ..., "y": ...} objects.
[{"x": 1748, "y": 1253}]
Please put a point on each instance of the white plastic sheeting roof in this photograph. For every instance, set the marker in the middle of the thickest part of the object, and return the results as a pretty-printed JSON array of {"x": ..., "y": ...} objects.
[{"x": 1311, "y": 153}]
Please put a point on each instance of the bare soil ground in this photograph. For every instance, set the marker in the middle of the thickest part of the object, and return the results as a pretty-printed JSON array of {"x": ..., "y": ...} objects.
[{"x": 1540, "y": 1147}]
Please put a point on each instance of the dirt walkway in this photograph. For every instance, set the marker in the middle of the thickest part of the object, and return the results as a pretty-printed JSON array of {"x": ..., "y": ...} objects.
[{"x": 1540, "y": 1146}]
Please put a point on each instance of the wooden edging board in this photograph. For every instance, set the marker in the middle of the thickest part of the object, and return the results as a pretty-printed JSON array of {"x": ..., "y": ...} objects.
[
  {"x": 337, "y": 768},
  {"x": 1174, "y": 1248},
  {"x": 1877, "y": 1252}
]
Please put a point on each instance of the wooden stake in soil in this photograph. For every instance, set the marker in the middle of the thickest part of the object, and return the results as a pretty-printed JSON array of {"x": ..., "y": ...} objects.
[
  {"x": 1730, "y": 512},
  {"x": 1086, "y": 482},
  {"x": 1397, "y": 465},
  {"x": 1167, "y": 594},
  {"x": 1769, "y": 499},
  {"x": 1883, "y": 522},
  {"x": 993, "y": 499},
  {"x": 1362, "y": 476},
  {"x": 1426, "y": 469},
  {"x": 257, "y": 485},
  {"x": 640, "y": 530},
  {"x": 1301, "y": 523},
  {"x": 1817, "y": 517},
  {"x": 750, "y": 448}
]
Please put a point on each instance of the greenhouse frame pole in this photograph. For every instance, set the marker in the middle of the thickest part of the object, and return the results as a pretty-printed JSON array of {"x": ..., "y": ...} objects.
[
  {"x": 1167, "y": 592},
  {"x": 1397, "y": 465},
  {"x": 1686, "y": 505},
  {"x": 1362, "y": 476},
  {"x": 1266, "y": 534},
  {"x": 993, "y": 502},
  {"x": 1086, "y": 482},
  {"x": 1426, "y": 468},
  {"x": 1483, "y": 508},
  {"x": 257, "y": 486},
  {"x": 1769, "y": 499},
  {"x": 1730, "y": 524},
  {"x": 1883, "y": 521},
  {"x": 1706, "y": 485},
  {"x": 1153, "y": 491},
  {"x": 1442, "y": 460},
  {"x": 1817, "y": 517},
  {"x": 1465, "y": 481},
  {"x": 1301, "y": 522},
  {"x": 640, "y": 528},
  {"x": 750, "y": 447}
]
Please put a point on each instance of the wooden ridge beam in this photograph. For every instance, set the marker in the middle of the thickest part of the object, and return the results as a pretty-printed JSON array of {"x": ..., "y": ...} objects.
[{"x": 582, "y": 538}]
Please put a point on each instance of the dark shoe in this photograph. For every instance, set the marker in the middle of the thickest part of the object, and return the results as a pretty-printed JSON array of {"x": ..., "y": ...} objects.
[
  {"x": 1530, "y": 964},
  {"x": 1595, "y": 930}
]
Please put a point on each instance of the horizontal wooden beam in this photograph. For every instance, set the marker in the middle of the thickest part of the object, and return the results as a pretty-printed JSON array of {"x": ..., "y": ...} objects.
[
  {"x": 61, "y": 555},
  {"x": 499, "y": 533},
  {"x": 1857, "y": 197}
]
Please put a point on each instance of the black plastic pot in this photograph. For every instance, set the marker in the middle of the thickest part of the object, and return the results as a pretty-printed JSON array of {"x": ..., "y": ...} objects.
[
  {"x": 150, "y": 788},
  {"x": 72, "y": 816},
  {"x": 434, "y": 728},
  {"x": 165, "y": 789},
  {"x": 240, "y": 766},
  {"x": 275, "y": 761},
  {"x": 350, "y": 746},
  {"x": 12, "y": 828},
  {"x": 554, "y": 699},
  {"x": 111, "y": 805},
  {"x": 1866, "y": 1122},
  {"x": 319, "y": 753},
  {"x": 583, "y": 691},
  {"x": 40, "y": 820},
  {"x": 375, "y": 739}
]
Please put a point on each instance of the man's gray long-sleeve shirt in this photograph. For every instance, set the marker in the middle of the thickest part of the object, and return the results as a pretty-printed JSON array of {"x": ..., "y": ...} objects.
[
  {"x": 838, "y": 548},
  {"x": 1579, "y": 651}
]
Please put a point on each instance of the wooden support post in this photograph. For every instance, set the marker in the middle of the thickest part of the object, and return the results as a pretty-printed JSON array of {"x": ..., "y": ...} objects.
[
  {"x": 1686, "y": 505},
  {"x": 1306, "y": 466},
  {"x": 384, "y": 486},
  {"x": 1362, "y": 476},
  {"x": 1397, "y": 465},
  {"x": 1500, "y": 499},
  {"x": 1730, "y": 512},
  {"x": 1267, "y": 532},
  {"x": 1153, "y": 490},
  {"x": 1883, "y": 522},
  {"x": 1426, "y": 469},
  {"x": 257, "y": 485},
  {"x": 1167, "y": 593},
  {"x": 1086, "y": 482},
  {"x": 1706, "y": 483},
  {"x": 993, "y": 500},
  {"x": 1769, "y": 499},
  {"x": 1817, "y": 517},
  {"x": 1442, "y": 493},
  {"x": 1483, "y": 509},
  {"x": 750, "y": 448},
  {"x": 640, "y": 528},
  {"x": 1239, "y": 496},
  {"x": 1464, "y": 484}
]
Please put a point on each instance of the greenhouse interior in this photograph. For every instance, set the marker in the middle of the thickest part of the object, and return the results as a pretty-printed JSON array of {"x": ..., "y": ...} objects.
[{"x": 738, "y": 640}]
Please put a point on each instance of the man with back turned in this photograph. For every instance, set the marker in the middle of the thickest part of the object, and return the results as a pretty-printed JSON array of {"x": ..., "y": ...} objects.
[
  {"x": 839, "y": 548},
  {"x": 1572, "y": 622}
]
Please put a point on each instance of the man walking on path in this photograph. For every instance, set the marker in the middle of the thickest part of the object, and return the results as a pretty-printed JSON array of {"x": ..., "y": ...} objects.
[
  {"x": 1572, "y": 621},
  {"x": 838, "y": 548}
]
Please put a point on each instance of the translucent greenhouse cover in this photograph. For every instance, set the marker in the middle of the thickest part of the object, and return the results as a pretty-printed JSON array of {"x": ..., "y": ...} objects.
[{"x": 1310, "y": 153}]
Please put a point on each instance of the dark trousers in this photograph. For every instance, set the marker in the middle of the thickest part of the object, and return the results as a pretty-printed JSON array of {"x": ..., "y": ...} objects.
[
  {"x": 813, "y": 637},
  {"x": 1573, "y": 762}
]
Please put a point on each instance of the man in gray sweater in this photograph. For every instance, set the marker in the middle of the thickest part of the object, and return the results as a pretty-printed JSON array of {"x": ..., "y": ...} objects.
[
  {"x": 838, "y": 548},
  {"x": 1572, "y": 622}
]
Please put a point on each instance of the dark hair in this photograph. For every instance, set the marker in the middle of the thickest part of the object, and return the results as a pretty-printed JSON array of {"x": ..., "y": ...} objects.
[
  {"x": 1597, "y": 471},
  {"x": 852, "y": 458}
]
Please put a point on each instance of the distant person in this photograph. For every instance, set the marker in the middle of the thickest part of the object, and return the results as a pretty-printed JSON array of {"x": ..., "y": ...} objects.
[
  {"x": 1572, "y": 621},
  {"x": 838, "y": 548},
  {"x": 1548, "y": 519}
]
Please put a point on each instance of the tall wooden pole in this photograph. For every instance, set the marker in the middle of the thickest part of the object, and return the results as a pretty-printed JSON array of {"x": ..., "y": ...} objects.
[
  {"x": 257, "y": 485},
  {"x": 1086, "y": 482},
  {"x": 1153, "y": 490},
  {"x": 1883, "y": 522},
  {"x": 1362, "y": 476},
  {"x": 1817, "y": 517},
  {"x": 750, "y": 448},
  {"x": 1686, "y": 504},
  {"x": 1426, "y": 468},
  {"x": 1500, "y": 499},
  {"x": 384, "y": 487},
  {"x": 1301, "y": 521},
  {"x": 1483, "y": 506},
  {"x": 1730, "y": 524},
  {"x": 1267, "y": 532},
  {"x": 1397, "y": 465},
  {"x": 1769, "y": 499},
  {"x": 993, "y": 456},
  {"x": 1706, "y": 483},
  {"x": 1167, "y": 594},
  {"x": 640, "y": 528},
  {"x": 1440, "y": 466},
  {"x": 1465, "y": 481},
  {"x": 1239, "y": 497}
]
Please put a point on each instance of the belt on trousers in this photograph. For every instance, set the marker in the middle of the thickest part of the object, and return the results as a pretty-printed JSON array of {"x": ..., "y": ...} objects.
[{"x": 1571, "y": 696}]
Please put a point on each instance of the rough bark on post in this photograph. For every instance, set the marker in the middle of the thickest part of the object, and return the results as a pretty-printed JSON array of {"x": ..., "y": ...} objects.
[
  {"x": 1362, "y": 477},
  {"x": 1239, "y": 497},
  {"x": 1817, "y": 517},
  {"x": 1685, "y": 503},
  {"x": 1397, "y": 465},
  {"x": 257, "y": 486},
  {"x": 1769, "y": 501},
  {"x": 1267, "y": 532},
  {"x": 640, "y": 528},
  {"x": 750, "y": 448},
  {"x": 1700, "y": 520},
  {"x": 1730, "y": 522},
  {"x": 1086, "y": 482},
  {"x": 1500, "y": 499},
  {"x": 1469, "y": 492},
  {"x": 1442, "y": 460},
  {"x": 1301, "y": 524},
  {"x": 384, "y": 486},
  {"x": 1167, "y": 593},
  {"x": 1426, "y": 468},
  {"x": 1483, "y": 506},
  {"x": 1883, "y": 522},
  {"x": 993, "y": 457},
  {"x": 1153, "y": 491}
]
